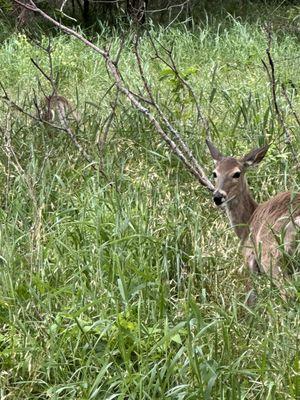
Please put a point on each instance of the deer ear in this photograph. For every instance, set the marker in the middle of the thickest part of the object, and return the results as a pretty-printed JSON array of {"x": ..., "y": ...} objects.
[
  {"x": 255, "y": 156},
  {"x": 216, "y": 155}
]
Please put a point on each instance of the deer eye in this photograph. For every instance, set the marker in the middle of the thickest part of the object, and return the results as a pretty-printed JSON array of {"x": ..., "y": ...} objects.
[
  {"x": 236, "y": 175},
  {"x": 214, "y": 175}
]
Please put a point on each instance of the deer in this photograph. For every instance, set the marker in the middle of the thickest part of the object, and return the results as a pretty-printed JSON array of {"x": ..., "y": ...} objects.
[
  {"x": 258, "y": 226},
  {"x": 55, "y": 107}
]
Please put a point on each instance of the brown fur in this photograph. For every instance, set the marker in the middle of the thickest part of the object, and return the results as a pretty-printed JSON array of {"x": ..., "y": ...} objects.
[
  {"x": 260, "y": 227},
  {"x": 270, "y": 219},
  {"x": 53, "y": 106}
]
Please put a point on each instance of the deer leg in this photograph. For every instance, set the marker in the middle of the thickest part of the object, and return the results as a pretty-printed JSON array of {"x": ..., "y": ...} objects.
[
  {"x": 277, "y": 275},
  {"x": 291, "y": 231},
  {"x": 273, "y": 270},
  {"x": 254, "y": 269},
  {"x": 253, "y": 264},
  {"x": 278, "y": 281}
]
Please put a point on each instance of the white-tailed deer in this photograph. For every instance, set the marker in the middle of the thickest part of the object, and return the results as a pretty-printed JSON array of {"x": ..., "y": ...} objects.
[
  {"x": 266, "y": 230},
  {"x": 55, "y": 107}
]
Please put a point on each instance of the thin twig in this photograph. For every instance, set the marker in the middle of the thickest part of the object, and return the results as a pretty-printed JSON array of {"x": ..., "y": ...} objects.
[
  {"x": 172, "y": 65},
  {"x": 102, "y": 139},
  {"x": 270, "y": 69},
  {"x": 64, "y": 122},
  {"x": 40, "y": 69}
]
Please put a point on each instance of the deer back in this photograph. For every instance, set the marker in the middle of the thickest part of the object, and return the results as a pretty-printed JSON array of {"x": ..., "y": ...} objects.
[
  {"x": 272, "y": 216},
  {"x": 267, "y": 227}
]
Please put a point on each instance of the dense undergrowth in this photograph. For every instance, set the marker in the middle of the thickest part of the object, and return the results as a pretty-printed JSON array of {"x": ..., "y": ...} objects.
[{"x": 129, "y": 286}]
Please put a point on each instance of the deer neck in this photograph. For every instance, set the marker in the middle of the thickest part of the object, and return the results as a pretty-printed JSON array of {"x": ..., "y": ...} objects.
[{"x": 240, "y": 211}]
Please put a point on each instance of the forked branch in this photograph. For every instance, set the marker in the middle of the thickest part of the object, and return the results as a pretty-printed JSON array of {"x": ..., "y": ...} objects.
[
  {"x": 53, "y": 103},
  {"x": 171, "y": 64},
  {"x": 270, "y": 69},
  {"x": 177, "y": 138}
]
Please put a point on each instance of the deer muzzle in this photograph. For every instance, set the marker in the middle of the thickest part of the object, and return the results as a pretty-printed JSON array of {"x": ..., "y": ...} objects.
[{"x": 219, "y": 197}]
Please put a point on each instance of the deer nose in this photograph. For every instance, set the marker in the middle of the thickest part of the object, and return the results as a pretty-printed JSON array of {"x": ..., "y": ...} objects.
[{"x": 219, "y": 198}]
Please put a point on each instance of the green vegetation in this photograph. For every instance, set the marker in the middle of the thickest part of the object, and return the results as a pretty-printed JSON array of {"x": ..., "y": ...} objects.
[{"x": 129, "y": 286}]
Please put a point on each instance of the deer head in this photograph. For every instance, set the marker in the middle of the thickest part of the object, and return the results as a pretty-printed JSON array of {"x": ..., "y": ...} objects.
[{"x": 229, "y": 173}]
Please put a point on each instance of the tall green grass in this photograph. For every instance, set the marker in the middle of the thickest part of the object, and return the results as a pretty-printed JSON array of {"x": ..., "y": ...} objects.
[{"x": 129, "y": 287}]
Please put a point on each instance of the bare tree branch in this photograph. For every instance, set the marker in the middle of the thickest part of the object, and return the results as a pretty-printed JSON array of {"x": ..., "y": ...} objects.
[
  {"x": 64, "y": 126},
  {"x": 175, "y": 133},
  {"x": 270, "y": 69},
  {"x": 53, "y": 103},
  {"x": 172, "y": 65},
  {"x": 113, "y": 69},
  {"x": 102, "y": 139}
]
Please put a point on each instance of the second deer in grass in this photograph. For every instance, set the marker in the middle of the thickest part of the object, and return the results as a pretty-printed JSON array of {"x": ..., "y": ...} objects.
[{"x": 258, "y": 226}]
